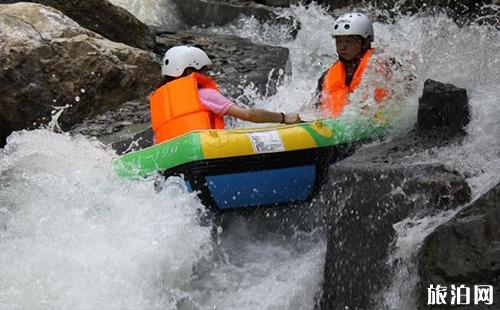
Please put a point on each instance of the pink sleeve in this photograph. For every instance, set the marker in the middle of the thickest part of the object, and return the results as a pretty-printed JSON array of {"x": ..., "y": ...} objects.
[{"x": 214, "y": 101}]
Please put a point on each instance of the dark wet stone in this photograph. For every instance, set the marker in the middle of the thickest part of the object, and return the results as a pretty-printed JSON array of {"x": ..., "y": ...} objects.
[
  {"x": 131, "y": 139},
  {"x": 365, "y": 196},
  {"x": 217, "y": 13},
  {"x": 381, "y": 185},
  {"x": 443, "y": 110},
  {"x": 465, "y": 250}
]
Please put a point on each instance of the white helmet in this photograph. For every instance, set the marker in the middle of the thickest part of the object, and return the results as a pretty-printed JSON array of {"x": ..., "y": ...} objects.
[
  {"x": 353, "y": 24},
  {"x": 178, "y": 58}
]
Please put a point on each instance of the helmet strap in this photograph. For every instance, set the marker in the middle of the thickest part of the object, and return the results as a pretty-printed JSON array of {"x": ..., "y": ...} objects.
[{"x": 367, "y": 44}]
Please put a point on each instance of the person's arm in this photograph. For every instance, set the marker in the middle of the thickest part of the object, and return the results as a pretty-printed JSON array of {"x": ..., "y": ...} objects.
[
  {"x": 220, "y": 105},
  {"x": 262, "y": 116}
]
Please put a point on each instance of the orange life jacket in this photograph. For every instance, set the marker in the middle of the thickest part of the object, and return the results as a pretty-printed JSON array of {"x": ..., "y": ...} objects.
[
  {"x": 176, "y": 108},
  {"x": 335, "y": 92}
]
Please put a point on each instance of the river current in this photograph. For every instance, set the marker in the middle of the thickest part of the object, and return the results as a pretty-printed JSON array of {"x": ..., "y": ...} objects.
[{"x": 74, "y": 236}]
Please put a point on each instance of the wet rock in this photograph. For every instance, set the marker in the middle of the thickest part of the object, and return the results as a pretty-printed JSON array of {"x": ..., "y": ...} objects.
[
  {"x": 367, "y": 194},
  {"x": 236, "y": 62},
  {"x": 108, "y": 20},
  {"x": 49, "y": 60},
  {"x": 335, "y": 4},
  {"x": 278, "y": 3},
  {"x": 378, "y": 187},
  {"x": 215, "y": 12},
  {"x": 443, "y": 110},
  {"x": 132, "y": 138},
  {"x": 465, "y": 250},
  {"x": 127, "y": 117}
]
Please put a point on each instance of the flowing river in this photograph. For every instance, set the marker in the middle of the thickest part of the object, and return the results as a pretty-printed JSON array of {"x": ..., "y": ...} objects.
[{"x": 74, "y": 236}]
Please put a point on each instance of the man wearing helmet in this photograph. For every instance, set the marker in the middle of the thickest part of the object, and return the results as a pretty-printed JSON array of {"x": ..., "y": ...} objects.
[
  {"x": 188, "y": 99},
  {"x": 353, "y": 34}
]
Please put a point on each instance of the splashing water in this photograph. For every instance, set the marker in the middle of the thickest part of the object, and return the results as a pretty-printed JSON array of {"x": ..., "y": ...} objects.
[
  {"x": 426, "y": 47},
  {"x": 74, "y": 236},
  {"x": 57, "y": 111},
  {"x": 157, "y": 13},
  {"x": 411, "y": 233}
]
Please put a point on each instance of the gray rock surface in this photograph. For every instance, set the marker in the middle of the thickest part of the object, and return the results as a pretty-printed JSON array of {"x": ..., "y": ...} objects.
[
  {"x": 132, "y": 138},
  {"x": 104, "y": 18},
  {"x": 443, "y": 109},
  {"x": 49, "y": 60},
  {"x": 368, "y": 193},
  {"x": 216, "y": 12},
  {"x": 380, "y": 186},
  {"x": 466, "y": 250}
]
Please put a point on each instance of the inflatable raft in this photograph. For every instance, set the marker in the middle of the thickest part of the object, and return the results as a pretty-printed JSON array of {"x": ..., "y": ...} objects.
[{"x": 251, "y": 167}]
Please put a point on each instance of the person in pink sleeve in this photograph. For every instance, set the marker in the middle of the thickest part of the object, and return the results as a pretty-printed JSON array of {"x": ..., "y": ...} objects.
[{"x": 193, "y": 98}]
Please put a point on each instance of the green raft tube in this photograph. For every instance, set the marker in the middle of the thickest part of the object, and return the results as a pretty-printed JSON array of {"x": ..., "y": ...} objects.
[{"x": 252, "y": 167}]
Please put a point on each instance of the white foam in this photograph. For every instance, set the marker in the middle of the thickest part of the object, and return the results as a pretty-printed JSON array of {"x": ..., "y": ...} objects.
[
  {"x": 72, "y": 235},
  {"x": 158, "y": 13}
]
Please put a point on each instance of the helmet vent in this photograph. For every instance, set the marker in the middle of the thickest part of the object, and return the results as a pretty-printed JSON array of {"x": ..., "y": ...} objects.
[
  {"x": 166, "y": 62},
  {"x": 336, "y": 27},
  {"x": 347, "y": 26}
]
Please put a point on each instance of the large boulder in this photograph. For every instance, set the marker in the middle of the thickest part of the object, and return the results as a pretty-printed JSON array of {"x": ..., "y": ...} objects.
[
  {"x": 277, "y": 3},
  {"x": 376, "y": 188},
  {"x": 108, "y": 20},
  {"x": 443, "y": 110},
  {"x": 126, "y": 128},
  {"x": 49, "y": 60},
  {"x": 203, "y": 13},
  {"x": 465, "y": 250},
  {"x": 157, "y": 14},
  {"x": 217, "y": 12},
  {"x": 367, "y": 194}
]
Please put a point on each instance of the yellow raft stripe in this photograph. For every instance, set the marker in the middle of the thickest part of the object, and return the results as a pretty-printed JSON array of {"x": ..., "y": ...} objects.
[{"x": 229, "y": 143}]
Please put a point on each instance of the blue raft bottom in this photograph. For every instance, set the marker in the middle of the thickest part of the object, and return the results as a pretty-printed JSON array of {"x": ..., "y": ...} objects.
[{"x": 261, "y": 188}]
